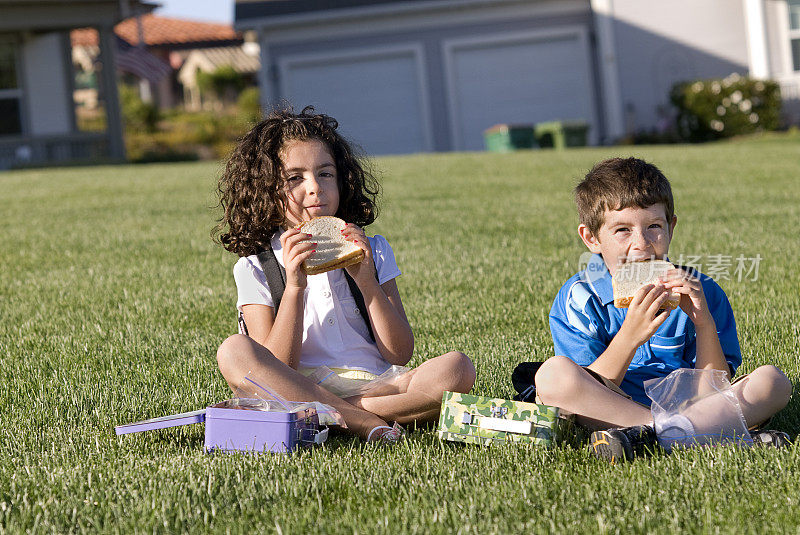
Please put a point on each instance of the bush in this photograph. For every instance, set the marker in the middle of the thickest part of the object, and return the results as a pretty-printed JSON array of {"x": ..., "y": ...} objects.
[
  {"x": 224, "y": 83},
  {"x": 182, "y": 135},
  {"x": 249, "y": 105},
  {"x": 138, "y": 114},
  {"x": 720, "y": 108}
]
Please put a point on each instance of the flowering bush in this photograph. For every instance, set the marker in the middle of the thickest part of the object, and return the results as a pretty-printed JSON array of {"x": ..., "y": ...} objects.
[{"x": 719, "y": 108}]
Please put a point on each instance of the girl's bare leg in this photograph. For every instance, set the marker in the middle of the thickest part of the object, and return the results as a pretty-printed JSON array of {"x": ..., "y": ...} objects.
[
  {"x": 564, "y": 384},
  {"x": 416, "y": 396},
  {"x": 240, "y": 354}
]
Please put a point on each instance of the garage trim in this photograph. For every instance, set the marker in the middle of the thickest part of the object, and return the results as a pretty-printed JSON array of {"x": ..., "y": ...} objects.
[{"x": 285, "y": 63}]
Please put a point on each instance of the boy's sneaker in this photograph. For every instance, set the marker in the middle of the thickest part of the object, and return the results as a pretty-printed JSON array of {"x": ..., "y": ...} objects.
[
  {"x": 771, "y": 438},
  {"x": 623, "y": 443}
]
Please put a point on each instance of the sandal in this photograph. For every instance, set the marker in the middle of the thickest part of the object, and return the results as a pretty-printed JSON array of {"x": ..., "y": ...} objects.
[
  {"x": 771, "y": 438},
  {"x": 386, "y": 434}
]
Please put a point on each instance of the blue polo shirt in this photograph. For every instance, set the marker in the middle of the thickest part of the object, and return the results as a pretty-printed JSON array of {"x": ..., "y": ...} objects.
[{"x": 583, "y": 320}]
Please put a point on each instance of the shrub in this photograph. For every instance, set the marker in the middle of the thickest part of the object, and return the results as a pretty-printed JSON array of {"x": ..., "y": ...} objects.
[
  {"x": 137, "y": 113},
  {"x": 249, "y": 106},
  {"x": 182, "y": 135},
  {"x": 224, "y": 83},
  {"x": 720, "y": 108}
]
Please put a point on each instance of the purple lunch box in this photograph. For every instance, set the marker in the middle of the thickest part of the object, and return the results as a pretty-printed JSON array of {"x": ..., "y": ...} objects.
[{"x": 237, "y": 429}]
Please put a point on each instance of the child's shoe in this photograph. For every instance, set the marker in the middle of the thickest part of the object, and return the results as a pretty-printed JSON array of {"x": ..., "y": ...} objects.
[
  {"x": 623, "y": 443},
  {"x": 385, "y": 435},
  {"x": 771, "y": 438}
]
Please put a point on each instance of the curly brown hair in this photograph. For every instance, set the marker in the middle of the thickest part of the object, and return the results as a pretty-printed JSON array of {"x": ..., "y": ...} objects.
[{"x": 251, "y": 191}]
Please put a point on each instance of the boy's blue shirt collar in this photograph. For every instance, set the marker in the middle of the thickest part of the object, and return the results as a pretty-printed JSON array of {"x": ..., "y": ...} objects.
[{"x": 597, "y": 276}]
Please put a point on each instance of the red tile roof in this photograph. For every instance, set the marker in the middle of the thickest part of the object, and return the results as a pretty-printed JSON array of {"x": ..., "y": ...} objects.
[
  {"x": 83, "y": 37},
  {"x": 162, "y": 31}
]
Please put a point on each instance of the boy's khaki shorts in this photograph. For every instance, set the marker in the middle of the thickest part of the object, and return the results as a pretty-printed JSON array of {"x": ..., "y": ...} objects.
[{"x": 608, "y": 383}]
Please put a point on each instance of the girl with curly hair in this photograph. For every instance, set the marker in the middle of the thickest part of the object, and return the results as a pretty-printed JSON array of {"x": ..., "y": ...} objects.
[{"x": 289, "y": 168}]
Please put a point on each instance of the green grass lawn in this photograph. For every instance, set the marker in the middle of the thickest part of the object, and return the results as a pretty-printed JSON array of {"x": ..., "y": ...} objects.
[{"x": 114, "y": 300}]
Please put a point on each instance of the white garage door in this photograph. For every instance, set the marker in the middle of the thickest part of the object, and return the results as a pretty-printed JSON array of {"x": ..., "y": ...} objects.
[
  {"x": 518, "y": 79},
  {"x": 377, "y": 97}
]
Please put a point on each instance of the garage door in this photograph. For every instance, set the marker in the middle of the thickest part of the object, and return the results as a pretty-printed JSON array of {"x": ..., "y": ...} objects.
[
  {"x": 377, "y": 97},
  {"x": 525, "y": 78}
]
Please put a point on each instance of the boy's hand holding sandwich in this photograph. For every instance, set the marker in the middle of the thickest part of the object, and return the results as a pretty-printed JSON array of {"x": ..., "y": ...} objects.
[
  {"x": 709, "y": 354},
  {"x": 646, "y": 314},
  {"x": 692, "y": 297}
]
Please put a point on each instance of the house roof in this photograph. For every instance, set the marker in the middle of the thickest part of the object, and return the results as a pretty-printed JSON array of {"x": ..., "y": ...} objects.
[
  {"x": 46, "y": 15},
  {"x": 164, "y": 32},
  {"x": 235, "y": 56},
  {"x": 249, "y": 9},
  {"x": 83, "y": 37}
]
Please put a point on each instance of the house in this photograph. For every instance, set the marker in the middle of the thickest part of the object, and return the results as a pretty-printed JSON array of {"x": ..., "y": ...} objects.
[
  {"x": 151, "y": 51},
  {"x": 244, "y": 60},
  {"x": 406, "y": 76},
  {"x": 37, "y": 112}
]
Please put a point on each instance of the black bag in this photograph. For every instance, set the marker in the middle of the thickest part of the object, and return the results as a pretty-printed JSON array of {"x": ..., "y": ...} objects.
[
  {"x": 276, "y": 281},
  {"x": 523, "y": 380}
]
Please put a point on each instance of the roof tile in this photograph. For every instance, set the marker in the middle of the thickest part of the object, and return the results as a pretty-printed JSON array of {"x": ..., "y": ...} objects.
[{"x": 162, "y": 31}]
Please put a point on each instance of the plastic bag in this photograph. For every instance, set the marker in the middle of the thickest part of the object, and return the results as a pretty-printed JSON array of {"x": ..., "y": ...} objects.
[
  {"x": 256, "y": 396},
  {"x": 696, "y": 408},
  {"x": 345, "y": 388}
]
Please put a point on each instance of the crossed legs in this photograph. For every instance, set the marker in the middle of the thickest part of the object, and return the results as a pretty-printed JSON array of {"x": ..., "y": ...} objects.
[
  {"x": 761, "y": 394},
  {"x": 563, "y": 383},
  {"x": 414, "y": 396}
]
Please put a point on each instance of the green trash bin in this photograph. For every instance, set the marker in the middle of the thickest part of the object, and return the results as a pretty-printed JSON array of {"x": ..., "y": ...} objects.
[
  {"x": 506, "y": 137},
  {"x": 561, "y": 134}
]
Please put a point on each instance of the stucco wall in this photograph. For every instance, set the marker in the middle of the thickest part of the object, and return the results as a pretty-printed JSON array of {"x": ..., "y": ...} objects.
[
  {"x": 659, "y": 43},
  {"x": 46, "y": 85}
]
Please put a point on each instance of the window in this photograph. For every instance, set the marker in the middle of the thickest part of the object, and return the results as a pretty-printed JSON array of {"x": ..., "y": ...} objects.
[
  {"x": 10, "y": 93},
  {"x": 794, "y": 32}
]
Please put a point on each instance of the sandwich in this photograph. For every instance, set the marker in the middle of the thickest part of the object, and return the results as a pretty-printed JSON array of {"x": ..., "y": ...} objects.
[
  {"x": 631, "y": 276},
  {"x": 333, "y": 250}
]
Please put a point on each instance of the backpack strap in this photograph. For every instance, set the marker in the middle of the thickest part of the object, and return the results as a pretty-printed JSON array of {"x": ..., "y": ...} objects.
[
  {"x": 359, "y": 298},
  {"x": 275, "y": 274},
  {"x": 276, "y": 281}
]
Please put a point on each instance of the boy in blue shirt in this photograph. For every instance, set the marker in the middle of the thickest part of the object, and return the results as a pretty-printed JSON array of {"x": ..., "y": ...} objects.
[{"x": 605, "y": 354}]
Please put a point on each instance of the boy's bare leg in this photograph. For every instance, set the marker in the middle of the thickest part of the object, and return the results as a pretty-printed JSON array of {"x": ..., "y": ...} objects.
[
  {"x": 761, "y": 394},
  {"x": 416, "y": 396},
  {"x": 764, "y": 392},
  {"x": 564, "y": 384},
  {"x": 240, "y": 354}
]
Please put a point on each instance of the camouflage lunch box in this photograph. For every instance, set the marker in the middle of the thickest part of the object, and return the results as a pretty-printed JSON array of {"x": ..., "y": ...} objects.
[{"x": 484, "y": 420}]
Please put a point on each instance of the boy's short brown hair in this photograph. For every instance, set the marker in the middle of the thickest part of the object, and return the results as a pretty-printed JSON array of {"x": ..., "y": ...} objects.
[{"x": 619, "y": 183}]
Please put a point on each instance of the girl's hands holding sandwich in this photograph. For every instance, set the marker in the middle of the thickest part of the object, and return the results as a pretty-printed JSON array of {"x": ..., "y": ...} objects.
[
  {"x": 363, "y": 272},
  {"x": 296, "y": 248}
]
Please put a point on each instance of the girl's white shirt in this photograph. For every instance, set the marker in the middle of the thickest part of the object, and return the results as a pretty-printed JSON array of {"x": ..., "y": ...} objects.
[{"x": 334, "y": 333}]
